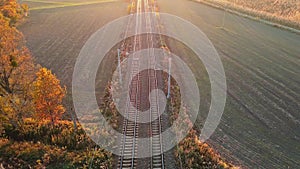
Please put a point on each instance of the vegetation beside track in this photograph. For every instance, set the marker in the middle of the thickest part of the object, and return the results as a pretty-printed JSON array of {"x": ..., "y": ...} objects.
[
  {"x": 191, "y": 152},
  {"x": 39, "y": 145}
]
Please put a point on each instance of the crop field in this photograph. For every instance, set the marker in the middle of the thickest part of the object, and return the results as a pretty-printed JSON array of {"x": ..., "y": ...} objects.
[
  {"x": 288, "y": 9},
  {"x": 261, "y": 122}
]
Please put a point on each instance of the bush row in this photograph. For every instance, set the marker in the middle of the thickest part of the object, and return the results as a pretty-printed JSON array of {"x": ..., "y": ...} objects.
[
  {"x": 38, "y": 155},
  {"x": 62, "y": 134}
]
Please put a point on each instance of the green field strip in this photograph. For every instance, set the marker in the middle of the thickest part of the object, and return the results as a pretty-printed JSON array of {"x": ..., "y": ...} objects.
[
  {"x": 68, "y": 4},
  {"x": 49, "y": 2}
]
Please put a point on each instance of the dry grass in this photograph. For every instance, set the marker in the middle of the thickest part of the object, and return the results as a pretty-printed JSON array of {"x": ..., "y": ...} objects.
[
  {"x": 289, "y": 9},
  {"x": 285, "y": 12}
]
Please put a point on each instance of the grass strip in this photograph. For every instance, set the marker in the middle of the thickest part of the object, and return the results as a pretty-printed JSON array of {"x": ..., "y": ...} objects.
[{"x": 70, "y": 4}]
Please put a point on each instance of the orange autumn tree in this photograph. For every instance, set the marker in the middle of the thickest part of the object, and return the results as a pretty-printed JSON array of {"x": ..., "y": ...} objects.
[
  {"x": 48, "y": 95},
  {"x": 16, "y": 76},
  {"x": 12, "y": 10}
]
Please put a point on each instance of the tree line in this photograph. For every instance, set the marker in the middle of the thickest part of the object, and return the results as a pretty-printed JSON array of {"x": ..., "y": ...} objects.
[{"x": 26, "y": 89}]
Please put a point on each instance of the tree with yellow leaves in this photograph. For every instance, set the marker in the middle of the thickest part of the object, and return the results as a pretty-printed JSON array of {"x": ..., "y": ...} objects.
[
  {"x": 12, "y": 10},
  {"x": 48, "y": 95},
  {"x": 16, "y": 75}
]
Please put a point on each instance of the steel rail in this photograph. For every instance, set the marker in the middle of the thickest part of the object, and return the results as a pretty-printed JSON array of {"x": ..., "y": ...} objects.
[
  {"x": 127, "y": 125},
  {"x": 157, "y": 161}
]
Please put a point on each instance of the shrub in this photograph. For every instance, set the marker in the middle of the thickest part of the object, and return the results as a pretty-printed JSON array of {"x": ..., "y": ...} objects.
[
  {"x": 62, "y": 134},
  {"x": 38, "y": 155},
  {"x": 195, "y": 154}
]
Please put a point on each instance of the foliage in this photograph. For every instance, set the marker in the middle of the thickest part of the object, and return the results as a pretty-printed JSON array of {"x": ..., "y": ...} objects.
[
  {"x": 108, "y": 108},
  {"x": 48, "y": 96},
  {"x": 95, "y": 158},
  {"x": 19, "y": 96},
  {"x": 12, "y": 10},
  {"x": 16, "y": 75},
  {"x": 37, "y": 155},
  {"x": 131, "y": 7},
  {"x": 195, "y": 154},
  {"x": 40, "y": 145},
  {"x": 61, "y": 134}
]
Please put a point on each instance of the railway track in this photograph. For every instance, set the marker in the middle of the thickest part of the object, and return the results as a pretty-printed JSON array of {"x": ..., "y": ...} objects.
[
  {"x": 157, "y": 156},
  {"x": 129, "y": 142},
  {"x": 130, "y": 130}
]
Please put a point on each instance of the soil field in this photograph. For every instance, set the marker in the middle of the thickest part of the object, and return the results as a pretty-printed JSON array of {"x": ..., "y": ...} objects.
[
  {"x": 56, "y": 35},
  {"x": 261, "y": 122}
]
